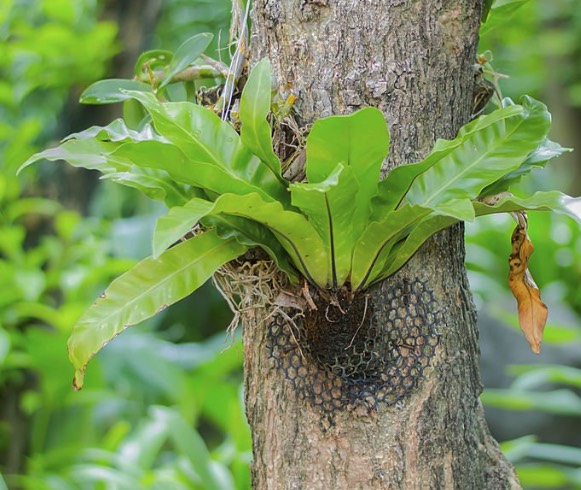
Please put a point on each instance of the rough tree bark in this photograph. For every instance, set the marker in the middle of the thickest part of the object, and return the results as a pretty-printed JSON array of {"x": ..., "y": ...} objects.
[{"x": 414, "y": 61}]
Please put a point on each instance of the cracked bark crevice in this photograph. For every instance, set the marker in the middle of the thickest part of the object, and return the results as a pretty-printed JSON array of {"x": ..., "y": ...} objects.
[{"x": 412, "y": 60}]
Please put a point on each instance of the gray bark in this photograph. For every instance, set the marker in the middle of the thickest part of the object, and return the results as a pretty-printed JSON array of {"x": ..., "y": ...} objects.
[{"x": 413, "y": 60}]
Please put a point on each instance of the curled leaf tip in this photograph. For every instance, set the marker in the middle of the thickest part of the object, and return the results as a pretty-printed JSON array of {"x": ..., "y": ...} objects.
[{"x": 78, "y": 379}]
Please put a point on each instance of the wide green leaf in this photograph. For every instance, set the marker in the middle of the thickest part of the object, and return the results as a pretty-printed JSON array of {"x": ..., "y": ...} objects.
[
  {"x": 177, "y": 222},
  {"x": 500, "y": 13},
  {"x": 95, "y": 149},
  {"x": 378, "y": 239},
  {"x": 437, "y": 220},
  {"x": 294, "y": 232},
  {"x": 359, "y": 141},
  {"x": 483, "y": 157},
  {"x": 184, "y": 168},
  {"x": 89, "y": 153},
  {"x": 329, "y": 207},
  {"x": 538, "y": 158},
  {"x": 404, "y": 250},
  {"x": 280, "y": 233},
  {"x": 111, "y": 91},
  {"x": 253, "y": 234},
  {"x": 155, "y": 184},
  {"x": 395, "y": 186},
  {"x": 205, "y": 138},
  {"x": 540, "y": 201},
  {"x": 255, "y": 102},
  {"x": 151, "y": 286},
  {"x": 186, "y": 54}
]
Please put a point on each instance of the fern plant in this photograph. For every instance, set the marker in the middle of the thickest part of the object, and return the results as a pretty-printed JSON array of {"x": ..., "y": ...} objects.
[{"x": 343, "y": 227}]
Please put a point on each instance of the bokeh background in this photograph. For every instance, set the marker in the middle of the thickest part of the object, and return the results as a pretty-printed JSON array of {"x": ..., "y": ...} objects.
[{"x": 162, "y": 405}]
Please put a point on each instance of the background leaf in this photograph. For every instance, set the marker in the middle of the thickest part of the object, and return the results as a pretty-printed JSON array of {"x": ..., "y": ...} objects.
[
  {"x": 111, "y": 91},
  {"x": 500, "y": 13},
  {"x": 190, "y": 443},
  {"x": 186, "y": 54},
  {"x": 155, "y": 59}
]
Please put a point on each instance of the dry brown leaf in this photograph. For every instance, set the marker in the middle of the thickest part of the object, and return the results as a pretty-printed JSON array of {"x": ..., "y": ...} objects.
[{"x": 532, "y": 312}]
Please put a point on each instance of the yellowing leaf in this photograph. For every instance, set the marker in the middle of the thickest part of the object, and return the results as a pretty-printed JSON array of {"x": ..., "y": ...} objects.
[{"x": 532, "y": 312}]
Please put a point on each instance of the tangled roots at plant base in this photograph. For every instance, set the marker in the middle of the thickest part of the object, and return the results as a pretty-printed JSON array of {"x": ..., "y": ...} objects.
[{"x": 344, "y": 355}]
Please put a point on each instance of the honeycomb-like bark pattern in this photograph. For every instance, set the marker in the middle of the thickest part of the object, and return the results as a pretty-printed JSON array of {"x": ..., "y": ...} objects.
[{"x": 343, "y": 356}]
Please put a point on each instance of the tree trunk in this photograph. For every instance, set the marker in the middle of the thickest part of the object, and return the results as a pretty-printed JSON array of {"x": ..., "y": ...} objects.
[{"x": 419, "y": 423}]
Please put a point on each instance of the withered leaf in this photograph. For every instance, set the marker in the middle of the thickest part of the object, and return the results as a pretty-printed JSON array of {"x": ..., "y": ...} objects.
[{"x": 532, "y": 312}]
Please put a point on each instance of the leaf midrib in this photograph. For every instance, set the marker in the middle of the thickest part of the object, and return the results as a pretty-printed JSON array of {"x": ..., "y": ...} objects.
[
  {"x": 163, "y": 281},
  {"x": 475, "y": 163}
]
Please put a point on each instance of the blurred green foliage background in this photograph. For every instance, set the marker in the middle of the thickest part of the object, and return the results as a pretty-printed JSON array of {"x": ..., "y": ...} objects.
[{"x": 163, "y": 406}]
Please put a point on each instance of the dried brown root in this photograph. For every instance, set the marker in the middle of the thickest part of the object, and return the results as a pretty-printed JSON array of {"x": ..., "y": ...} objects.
[{"x": 249, "y": 286}]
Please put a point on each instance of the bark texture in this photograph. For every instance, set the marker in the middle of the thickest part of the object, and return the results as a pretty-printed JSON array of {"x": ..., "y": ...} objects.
[{"x": 413, "y": 60}]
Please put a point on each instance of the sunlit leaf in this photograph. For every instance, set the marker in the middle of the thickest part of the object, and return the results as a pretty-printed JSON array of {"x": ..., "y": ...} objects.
[
  {"x": 97, "y": 149},
  {"x": 205, "y": 138},
  {"x": 90, "y": 153},
  {"x": 483, "y": 157},
  {"x": 149, "y": 287},
  {"x": 398, "y": 181},
  {"x": 543, "y": 475},
  {"x": 155, "y": 184},
  {"x": 182, "y": 169},
  {"x": 546, "y": 151}
]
